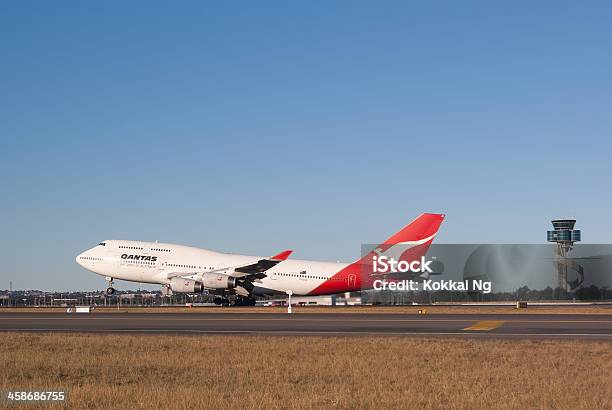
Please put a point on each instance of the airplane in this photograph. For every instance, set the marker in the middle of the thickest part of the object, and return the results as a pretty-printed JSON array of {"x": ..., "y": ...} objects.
[{"x": 238, "y": 279}]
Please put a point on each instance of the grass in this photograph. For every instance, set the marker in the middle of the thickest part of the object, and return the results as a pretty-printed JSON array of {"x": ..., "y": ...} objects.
[{"x": 252, "y": 372}]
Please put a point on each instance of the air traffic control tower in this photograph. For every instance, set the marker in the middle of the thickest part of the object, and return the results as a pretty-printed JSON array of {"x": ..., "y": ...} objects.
[{"x": 564, "y": 235}]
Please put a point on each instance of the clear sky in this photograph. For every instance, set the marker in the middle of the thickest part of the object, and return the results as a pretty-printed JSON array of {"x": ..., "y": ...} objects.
[{"x": 259, "y": 126}]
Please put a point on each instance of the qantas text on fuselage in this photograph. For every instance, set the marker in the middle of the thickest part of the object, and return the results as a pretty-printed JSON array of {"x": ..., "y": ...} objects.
[{"x": 186, "y": 269}]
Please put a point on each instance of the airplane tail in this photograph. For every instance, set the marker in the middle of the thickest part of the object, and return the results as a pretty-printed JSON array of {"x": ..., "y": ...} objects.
[
  {"x": 422, "y": 228},
  {"x": 408, "y": 245},
  {"x": 411, "y": 242}
]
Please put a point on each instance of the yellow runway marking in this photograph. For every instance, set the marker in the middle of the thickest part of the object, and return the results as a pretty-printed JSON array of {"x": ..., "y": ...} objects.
[{"x": 485, "y": 325}]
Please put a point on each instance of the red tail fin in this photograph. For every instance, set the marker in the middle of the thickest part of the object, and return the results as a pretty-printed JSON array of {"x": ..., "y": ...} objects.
[
  {"x": 425, "y": 226},
  {"x": 409, "y": 244}
]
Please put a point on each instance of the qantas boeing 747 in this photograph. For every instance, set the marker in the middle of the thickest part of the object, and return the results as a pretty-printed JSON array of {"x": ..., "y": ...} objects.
[{"x": 237, "y": 279}]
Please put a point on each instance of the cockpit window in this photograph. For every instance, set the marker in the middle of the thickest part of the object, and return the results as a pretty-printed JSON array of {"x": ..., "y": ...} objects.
[{"x": 102, "y": 243}]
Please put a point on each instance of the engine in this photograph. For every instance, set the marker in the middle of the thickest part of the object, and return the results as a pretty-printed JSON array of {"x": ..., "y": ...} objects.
[
  {"x": 182, "y": 285},
  {"x": 218, "y": 281}
]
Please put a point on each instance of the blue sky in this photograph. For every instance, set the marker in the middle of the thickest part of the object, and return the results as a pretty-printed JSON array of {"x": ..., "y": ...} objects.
[{"x": 258, "y": 126}]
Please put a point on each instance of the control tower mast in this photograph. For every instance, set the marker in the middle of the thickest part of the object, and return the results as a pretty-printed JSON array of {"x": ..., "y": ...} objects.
[{"x": 564, "y": 235}]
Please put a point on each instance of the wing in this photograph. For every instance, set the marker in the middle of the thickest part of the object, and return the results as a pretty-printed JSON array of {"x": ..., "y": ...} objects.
[
  {"x": 256, "y": 270},
  {"x": 171, "y": 275},
  {"x": 246, "y": 274}
]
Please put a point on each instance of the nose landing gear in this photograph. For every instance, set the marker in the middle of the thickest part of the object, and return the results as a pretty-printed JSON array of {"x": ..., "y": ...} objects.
[{"x": 110, "y": 290}]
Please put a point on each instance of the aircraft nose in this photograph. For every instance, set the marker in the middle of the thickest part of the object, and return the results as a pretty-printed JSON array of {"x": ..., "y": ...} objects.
[{"x": 79, "y": 259}]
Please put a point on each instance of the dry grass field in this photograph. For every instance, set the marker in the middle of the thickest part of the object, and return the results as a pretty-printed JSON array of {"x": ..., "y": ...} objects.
[
  {"x": 183, "y": 372},
  {"x": 440, "y": 309}
]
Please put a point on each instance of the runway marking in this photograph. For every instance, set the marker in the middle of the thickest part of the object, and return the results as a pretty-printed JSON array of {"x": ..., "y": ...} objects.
[
  {"x": 217, "y": 319},
  {"x": 297, "y": 332},
  {"x": 485, "y": 325},
  {"x": 222, "y": 319}
]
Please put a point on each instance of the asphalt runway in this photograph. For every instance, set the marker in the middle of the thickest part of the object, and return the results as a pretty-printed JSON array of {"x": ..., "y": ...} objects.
[{"x": 318, "y": 324}]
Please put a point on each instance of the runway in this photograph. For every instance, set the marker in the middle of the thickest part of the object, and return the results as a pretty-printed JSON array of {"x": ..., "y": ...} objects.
[{"x": 318, "y": 324}]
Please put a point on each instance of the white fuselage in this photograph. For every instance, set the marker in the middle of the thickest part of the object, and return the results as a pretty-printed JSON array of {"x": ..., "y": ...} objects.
[{"x": 153, "y": 262}]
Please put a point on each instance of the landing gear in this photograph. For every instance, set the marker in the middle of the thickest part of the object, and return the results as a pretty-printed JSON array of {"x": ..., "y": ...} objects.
[
  {"x": 221, "y": 301},
  {"x": 244, "y": 302},
  {"x": 110, "y": 290},
  {"x": 240, "y": 301}
]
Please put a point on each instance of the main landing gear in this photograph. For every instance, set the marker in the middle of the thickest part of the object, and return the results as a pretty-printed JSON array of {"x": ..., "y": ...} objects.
[
  {"x": 235, "y": 302},
  {"x": 244, "y": 302},
  {"x": 110, "y": 290},
  {"x": 221, "y": 301}
]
